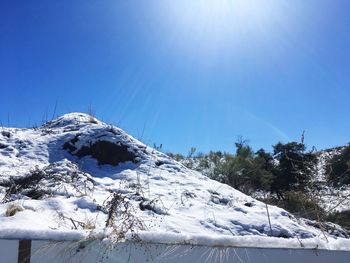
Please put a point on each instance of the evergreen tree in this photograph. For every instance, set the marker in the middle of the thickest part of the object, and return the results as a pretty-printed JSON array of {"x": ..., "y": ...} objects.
[
  {"x": 265, "y": 169},
  {"x": 294, "y": 169}
]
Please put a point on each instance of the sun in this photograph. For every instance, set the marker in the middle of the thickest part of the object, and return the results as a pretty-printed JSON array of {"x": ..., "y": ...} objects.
[{"x": 210, "y": 25}]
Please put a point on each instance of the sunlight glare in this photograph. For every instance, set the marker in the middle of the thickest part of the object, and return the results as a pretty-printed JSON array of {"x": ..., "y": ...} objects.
[{"x": 215, "y": 24}]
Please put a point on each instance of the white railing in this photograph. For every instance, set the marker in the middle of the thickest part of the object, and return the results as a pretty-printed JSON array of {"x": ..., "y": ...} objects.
[{"x": 88, "y": 251}]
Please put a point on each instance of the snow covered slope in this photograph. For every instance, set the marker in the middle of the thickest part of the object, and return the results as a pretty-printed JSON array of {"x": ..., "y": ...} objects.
[
  {"x": 77, "y": 173},
  {"x": 331, "y": 198}
]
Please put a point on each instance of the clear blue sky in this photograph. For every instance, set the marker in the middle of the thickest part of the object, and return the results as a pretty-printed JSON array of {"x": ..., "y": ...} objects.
[{"x": 182, "y": 73}]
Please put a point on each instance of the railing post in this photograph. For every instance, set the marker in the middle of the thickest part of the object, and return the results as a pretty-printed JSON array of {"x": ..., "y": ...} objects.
[{"x": 24, "y": 251}]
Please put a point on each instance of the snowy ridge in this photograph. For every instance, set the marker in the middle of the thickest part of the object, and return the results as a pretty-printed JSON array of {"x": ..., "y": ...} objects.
[{"x": 67, "y": 171}]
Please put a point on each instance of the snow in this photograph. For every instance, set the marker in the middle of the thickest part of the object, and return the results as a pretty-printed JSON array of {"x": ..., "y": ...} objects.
[
  {"x": 36, "y": 234},
  {"x": 180, "y": 239},
  {"x": 243, "y": 241},
  {"x": 171, "y": 201},
  {"x": 332, "y": 199}
]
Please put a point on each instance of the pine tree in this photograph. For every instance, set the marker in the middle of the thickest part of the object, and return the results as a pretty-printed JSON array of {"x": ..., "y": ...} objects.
[{"x": 295, "y": 167}]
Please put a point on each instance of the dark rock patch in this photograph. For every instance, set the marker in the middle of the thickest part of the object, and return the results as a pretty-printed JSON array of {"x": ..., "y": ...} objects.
[
  {"x": 6, "y": 134},
  {"x": 152, "y": 206},
  {"x": 70, "y": 145},
  {"x": 219, "y": 200},
  {"x": 248, "y": 204},
  {"x": 107, "y": 153},
  {"x": 189, "y": 194},
  {"x": 104, "y": 152},
  {"x": 3, "y": 146},
  {"x": 159, "y": 163}
]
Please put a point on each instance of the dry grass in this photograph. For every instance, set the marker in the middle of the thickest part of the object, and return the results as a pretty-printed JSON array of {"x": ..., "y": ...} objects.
[
  {"x": 12, "y": 209},
  {"x": 121, "y": 217}
]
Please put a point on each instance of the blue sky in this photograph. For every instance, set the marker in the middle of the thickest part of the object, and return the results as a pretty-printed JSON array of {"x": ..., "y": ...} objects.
[{"x": 182, "y": 73}]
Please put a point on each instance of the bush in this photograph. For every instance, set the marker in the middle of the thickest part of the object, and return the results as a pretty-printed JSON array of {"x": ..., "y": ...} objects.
[
  {"x": 121, "y": 216},
  {"x": 340, "y": 218},
  {"x": 299, "y": 204},
  {"x": 245, "y": 171}
]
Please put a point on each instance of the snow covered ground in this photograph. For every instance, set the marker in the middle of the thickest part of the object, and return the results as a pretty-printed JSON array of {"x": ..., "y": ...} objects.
[{"x": 76, "y": 174}]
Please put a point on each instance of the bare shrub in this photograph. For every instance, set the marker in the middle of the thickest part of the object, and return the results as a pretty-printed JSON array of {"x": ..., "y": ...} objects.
[
  {"x": 49, "y": 180},
  {"x": 88, "y": 224},
  {"x": 91, "y": 114},
  {"x": 121, "y": 216}
]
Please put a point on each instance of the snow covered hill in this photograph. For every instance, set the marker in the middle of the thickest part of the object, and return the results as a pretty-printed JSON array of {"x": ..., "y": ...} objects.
[{"x": 77, "y": 173}]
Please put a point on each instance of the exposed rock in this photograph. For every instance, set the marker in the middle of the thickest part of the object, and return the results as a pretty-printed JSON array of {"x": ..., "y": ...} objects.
[{"x": 107, "y": 153}]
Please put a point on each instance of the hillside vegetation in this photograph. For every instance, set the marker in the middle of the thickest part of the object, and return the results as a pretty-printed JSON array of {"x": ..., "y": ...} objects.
[{"x": 307, "y": 183}]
